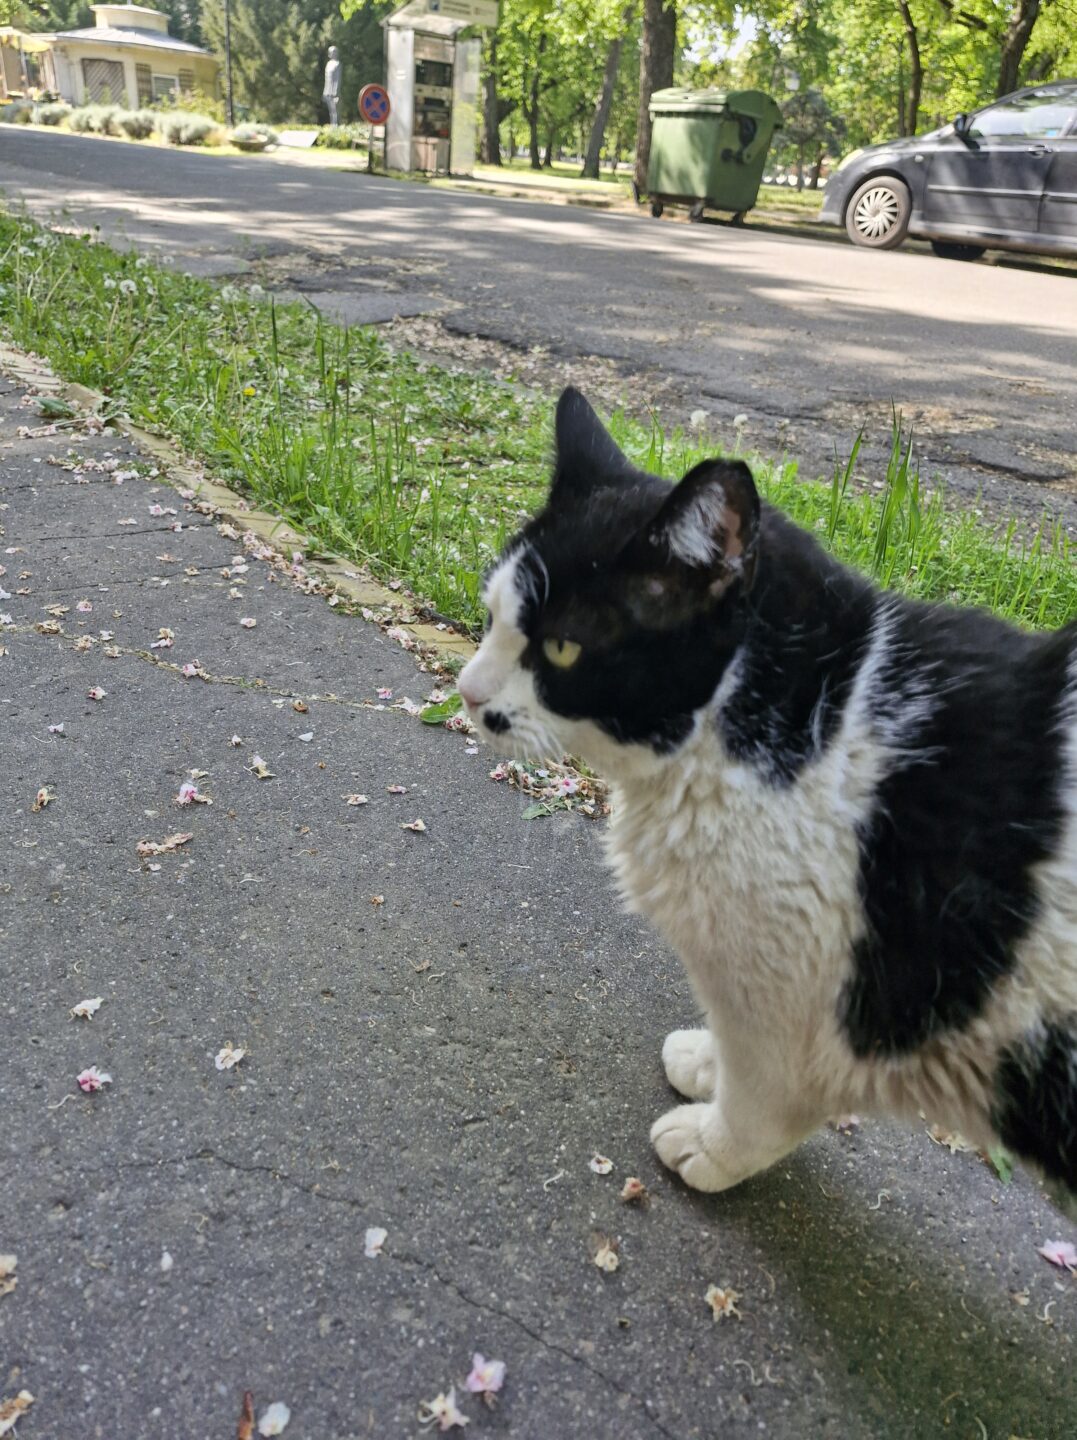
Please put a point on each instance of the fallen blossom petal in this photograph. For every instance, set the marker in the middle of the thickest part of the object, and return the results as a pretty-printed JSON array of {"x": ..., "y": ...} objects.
[
  {"x": 1060, "y": 1253},
  {"x": 165, "y": 639},
  {"x": 96, "y": 693},
  {"x": 41, "y": 799},
  {"x": 192, "y": 668},
  {"x": 274, "y": 1419},
  {"x": 129, "y": 521},
  {"x": 600, "y": 1164},
  {"x": 487, "y": 1376},
  {"x": 84, "y": 607},
  {"x": 307, "y": 736},
  {"x": 189, "y": 794},
  {"x": 442, "y": 1409},
  {"x": 634, "y": 1192},
  {"x": 245, "y": 1428},
  {"x": 248, "y": 622},
  {"x": 604, "y": 1252},
  {"x": 57, "y": 729},
  {"x": 356, "y": 799},
  {"x": 384, "y": 693},
  {"x": 722, "y": 1302},
  {"x": 417, "y": 825},
  {"x": 165, "y": 846},
  {"x": 373, "y": 1240},
  {"x": 166, "y": 1262},
  {"x": 236, "y": 741},
  {"x": 10, "y": 1410},
  {"x": 86, "y": 1009},
  {"x": 259, "y": 767},
  {"x": 92, "y": 1079},
  {"x": 229, "y": 1056},
  {"x": 377, "y": 900},
  {"x": 300, "y": 707},
  {"x": 396, "y": 789},
  {"x": 846, "y": 1124},
  {"x": 8, "y": 1278}
]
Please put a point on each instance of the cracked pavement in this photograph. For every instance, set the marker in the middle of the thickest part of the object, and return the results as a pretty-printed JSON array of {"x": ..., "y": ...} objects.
[
  {"x": 811, "y": 339},
  {"x": 443, "y": 1064}
]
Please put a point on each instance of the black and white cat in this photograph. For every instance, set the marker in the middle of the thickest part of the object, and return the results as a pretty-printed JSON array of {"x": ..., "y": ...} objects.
[{"x": 853, "y": 816}]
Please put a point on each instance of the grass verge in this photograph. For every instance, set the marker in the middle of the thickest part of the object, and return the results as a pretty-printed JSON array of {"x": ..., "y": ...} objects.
[{"x": 421, "y": 472}]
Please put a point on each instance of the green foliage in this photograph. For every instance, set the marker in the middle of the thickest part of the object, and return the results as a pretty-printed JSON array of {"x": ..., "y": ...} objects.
[
  {"x": 137, "y": 124},
  {"x": 857, "y": 55},
  {"x": 279, "y": 52},
  {"x": 50, "y": 114},
  {"x": 342, "y": 137},
  {"x": 418, "y": 472},
  {"x": 95, "y": 120},
  {"x": 178, "y": 127}
]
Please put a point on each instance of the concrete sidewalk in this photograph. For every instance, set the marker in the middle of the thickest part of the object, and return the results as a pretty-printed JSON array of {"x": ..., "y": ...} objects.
[{"x": 442, "y": 1064}]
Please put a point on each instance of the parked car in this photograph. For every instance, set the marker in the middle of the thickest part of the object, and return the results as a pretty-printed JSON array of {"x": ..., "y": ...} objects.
[{"x": 1004, "y": 177}]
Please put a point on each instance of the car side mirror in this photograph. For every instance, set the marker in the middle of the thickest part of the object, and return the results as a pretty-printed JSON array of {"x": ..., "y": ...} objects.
[{"x": 961, "y": 125}]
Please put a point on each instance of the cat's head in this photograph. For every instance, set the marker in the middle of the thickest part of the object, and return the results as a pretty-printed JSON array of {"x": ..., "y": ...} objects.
[{"x": 616, "y": 610}]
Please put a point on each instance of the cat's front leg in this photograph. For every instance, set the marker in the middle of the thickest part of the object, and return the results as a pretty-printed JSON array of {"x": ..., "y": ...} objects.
[{"x": 746, "y": 1126}]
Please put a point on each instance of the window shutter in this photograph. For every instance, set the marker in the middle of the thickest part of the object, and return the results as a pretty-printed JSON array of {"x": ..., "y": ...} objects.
[
  {"x": 186, "y": 81},
  {"x": 144, "y": 82}
]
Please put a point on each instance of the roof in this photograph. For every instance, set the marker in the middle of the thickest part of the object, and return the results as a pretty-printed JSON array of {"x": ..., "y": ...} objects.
[{"x": 131, "y": 35}]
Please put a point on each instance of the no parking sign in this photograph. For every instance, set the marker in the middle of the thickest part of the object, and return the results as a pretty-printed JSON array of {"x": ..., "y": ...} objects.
[{"x": 374, "y": 104}]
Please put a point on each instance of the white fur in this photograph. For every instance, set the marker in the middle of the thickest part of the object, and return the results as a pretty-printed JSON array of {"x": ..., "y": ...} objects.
[{"x": 756, "y": 889}]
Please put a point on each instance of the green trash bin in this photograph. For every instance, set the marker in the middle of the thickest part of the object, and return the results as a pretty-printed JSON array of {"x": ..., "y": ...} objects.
[{"x": 708, "y": 148}]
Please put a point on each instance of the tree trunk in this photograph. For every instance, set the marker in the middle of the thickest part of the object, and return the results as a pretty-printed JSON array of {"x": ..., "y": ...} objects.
[
  {"x": 491, "y": 138},
  {"x": 657, "y": 54},
  {"x": 1023, "y": 17},
  {"x": 551, "y": 145},
  {"x": 916, "y": 70},
  {"x": 604, "y": 101},
  {"x": 532, "y": 108}
]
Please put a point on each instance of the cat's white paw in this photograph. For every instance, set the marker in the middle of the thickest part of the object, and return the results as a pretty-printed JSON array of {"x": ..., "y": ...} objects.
[
  {"x": 690, "y": 1058},
  {"x": 678, "y": 1137}
]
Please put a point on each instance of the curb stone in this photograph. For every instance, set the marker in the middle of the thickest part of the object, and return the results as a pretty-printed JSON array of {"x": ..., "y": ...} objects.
[{"x": 338, "y": 575}]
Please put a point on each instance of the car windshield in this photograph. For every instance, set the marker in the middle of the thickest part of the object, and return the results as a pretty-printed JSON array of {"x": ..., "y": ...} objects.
[{"x": 1041, "y": 114}]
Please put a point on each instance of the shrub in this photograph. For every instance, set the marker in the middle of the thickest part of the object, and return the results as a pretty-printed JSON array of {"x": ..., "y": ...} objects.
[
  {"x": 253, "y": 137},
  {"x": 342, "y": 137},
  {"x": 50, "y": 114},
  {"x": 179, "y": 128},
  {"x": 137, "y": 124},
  {"x": 17, "y": 112},
  {"x": 95, "y": 120}
]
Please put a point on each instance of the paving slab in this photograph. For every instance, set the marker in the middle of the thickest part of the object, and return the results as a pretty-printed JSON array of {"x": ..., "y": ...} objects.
[{"x": 442, "y": 1064}]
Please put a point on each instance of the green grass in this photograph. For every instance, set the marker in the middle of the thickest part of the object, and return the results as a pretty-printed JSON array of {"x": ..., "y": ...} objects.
[
  {"x": 787, "y": 197},
  {"x": 418, "y": 471}
]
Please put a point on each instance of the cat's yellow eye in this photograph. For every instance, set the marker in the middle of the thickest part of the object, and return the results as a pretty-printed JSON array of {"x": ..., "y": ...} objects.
[{"x": 562, "y": 653}]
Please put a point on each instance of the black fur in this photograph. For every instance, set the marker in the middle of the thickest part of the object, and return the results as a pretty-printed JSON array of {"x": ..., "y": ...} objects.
[
  {"x": 1036, "y": 1105},
  {"x": 958, "y": 825}
]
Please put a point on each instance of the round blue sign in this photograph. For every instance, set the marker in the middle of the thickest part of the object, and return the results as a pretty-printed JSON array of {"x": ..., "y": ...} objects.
[{"x": 374, "y": 104}]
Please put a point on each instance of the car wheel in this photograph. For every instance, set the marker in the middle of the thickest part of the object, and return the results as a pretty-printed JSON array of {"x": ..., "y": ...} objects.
[
  {"x": 947, "y": 250},
  {"x": 878, "y": 213}
]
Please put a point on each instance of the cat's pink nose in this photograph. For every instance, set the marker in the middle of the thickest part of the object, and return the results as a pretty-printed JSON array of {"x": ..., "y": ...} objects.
[{"x": 472, "y": 695}]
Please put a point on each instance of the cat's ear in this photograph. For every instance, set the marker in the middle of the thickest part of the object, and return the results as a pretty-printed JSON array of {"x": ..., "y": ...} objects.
[
  {"x": 709, "y": 525},
  {"x": 586, "y": 456}
]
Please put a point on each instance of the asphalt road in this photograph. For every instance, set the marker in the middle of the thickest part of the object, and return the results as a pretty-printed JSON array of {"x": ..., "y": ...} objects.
[
  {"x": 442, "y": 1065},
  {"x": 811, "y": 339}
]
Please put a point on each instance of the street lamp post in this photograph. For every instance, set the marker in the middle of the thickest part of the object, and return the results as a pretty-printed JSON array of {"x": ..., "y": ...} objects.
[{"x": 230, "y": 109}]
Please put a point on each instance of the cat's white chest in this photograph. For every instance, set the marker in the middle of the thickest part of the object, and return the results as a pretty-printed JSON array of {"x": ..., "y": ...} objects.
[{"x": 754, "y": 885}]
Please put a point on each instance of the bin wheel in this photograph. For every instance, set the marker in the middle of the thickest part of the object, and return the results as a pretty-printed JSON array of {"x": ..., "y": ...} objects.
[
  {"x": 657, "y": 209},
  {"x": 738, "y": 218},
  {"x": 696, "y": 212}
]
